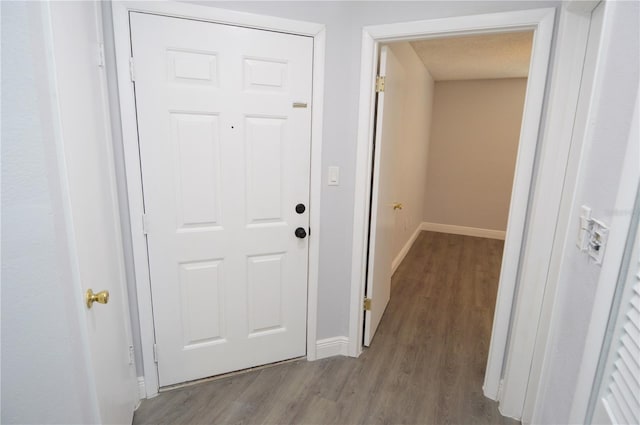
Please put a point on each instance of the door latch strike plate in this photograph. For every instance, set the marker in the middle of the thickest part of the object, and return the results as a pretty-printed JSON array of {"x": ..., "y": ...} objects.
[
  {"x": 367, "y": 304},
  {"x": 379, "y": 84}
]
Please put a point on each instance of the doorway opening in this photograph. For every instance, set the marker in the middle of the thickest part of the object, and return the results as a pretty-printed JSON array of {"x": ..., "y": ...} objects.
[
  {"x": 448, "y": 118},
  {"x": 538, "y": 24}
]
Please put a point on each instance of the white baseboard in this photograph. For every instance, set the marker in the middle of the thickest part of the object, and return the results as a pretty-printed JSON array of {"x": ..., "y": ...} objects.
[
  {"x": 336, "y": 346},
  {"x": 142, "y": 392},
  {"x": 462, "y": 230},
  {"x": 405, "y": 249}
]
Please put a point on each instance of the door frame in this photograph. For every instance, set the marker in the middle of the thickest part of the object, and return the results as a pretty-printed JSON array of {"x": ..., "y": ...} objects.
[
  {"x": 612, "y": 278},
  {"x": 564, "y": 125},
  {"x": 517, "y": 252},
  {"x": 121, "y": 10}
]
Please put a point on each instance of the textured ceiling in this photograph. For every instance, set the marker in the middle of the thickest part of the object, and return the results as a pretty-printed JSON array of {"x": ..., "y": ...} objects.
[{"x": 504, "y": 55}]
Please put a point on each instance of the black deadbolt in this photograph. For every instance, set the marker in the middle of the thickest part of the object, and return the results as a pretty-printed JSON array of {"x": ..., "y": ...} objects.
[
  {"x": 300, "y": 208},
  {"x": 301, "y": 233}
]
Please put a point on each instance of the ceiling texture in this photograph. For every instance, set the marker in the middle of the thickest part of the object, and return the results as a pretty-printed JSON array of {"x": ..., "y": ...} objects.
[{"x": 504, "y": 55}]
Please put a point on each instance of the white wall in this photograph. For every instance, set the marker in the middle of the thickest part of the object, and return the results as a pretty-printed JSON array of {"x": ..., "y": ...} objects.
[
  {"x": 615, "y": 90},
  {"x": 472, "y": 153},
  {"x": 411, "y": 145},
  {"x": 44, "y": 358}
]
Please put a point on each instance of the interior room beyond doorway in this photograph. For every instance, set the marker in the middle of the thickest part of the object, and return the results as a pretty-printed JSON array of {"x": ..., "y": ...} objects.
[{"x": 447, "y": 136}]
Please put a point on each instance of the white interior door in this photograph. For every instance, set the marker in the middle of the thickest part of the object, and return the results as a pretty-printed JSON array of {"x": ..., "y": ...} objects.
[
  {"x": 618, "y": 400},
  {"x": 225, "y": 157},
  {"x": 85, "y": 127},
  {"x": 388, "y": 119}
]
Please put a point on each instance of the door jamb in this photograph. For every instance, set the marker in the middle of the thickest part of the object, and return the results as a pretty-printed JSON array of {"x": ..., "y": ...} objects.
[
  {"x": 542, "y": 22},
  {"x": 120, "y": 10},
  {"x": 566, "y": 83},
  {"x": 587, "y": 380}
]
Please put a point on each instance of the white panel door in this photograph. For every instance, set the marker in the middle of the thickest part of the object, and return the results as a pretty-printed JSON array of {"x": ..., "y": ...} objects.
[
  {"x": 84, "y": 122},
  {"x": 225, "y": 160},
  {"x": 388, "y": 121}
]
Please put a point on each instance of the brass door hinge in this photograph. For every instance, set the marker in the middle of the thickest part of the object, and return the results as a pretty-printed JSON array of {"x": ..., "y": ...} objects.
[
  {"x": 379, "y": 84},
  {"x": 367, "y": 304}
]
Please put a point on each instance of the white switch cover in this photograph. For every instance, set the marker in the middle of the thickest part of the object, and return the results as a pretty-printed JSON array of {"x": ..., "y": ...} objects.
[{"x": 334, "y": 175}]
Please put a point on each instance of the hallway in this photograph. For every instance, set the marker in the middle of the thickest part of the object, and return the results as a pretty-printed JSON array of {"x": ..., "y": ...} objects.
[{"x": 426, "y": 363}]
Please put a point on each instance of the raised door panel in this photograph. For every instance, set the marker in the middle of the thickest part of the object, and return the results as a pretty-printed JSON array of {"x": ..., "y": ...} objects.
[
  {"x": 192, "y": 67},
  {"x": 265, "y": 75},
  {"x": 197, "y": 155},
  {"x": 265, "y": 286},
  {"x": 264, "y": 167},
  {"x": 201, "y": 303}
]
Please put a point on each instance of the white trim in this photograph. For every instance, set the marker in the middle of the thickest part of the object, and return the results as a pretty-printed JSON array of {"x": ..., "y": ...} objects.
[
  {"x": 609, "y": 275},
  {"x": 542, "y": 22},
  {"x": 317, "y": 105},
  {"x": 514, "y": 240},
  {"x": 557, "y": 179},
  {"x": 463, "y": 230},
  {"x": 142, "y": 389},
  {"x": 336, "y": 346},
  {"x": 405, "y": 249},
  {"x": 132, "y": 160}
]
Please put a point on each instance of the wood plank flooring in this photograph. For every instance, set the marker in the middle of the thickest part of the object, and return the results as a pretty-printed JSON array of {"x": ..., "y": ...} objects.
[{"x": 425, "y": 366}]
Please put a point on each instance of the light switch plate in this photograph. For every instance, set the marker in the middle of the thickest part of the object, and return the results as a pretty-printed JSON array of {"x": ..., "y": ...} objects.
[
  {"x": 597, "y": 240},
  {"x": 334, "y": 176},
  {"x": 592, "y": 235}
]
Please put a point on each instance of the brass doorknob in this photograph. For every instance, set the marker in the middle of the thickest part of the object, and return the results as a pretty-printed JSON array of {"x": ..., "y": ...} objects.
[
  {"x": 397, "y": 206},
  {"x": 101, "y": 297}
]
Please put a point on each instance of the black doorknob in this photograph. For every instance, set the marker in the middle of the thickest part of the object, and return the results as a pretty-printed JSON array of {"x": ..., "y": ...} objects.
[
  {"x": 301, "y": 233},
  {"x": 300, "y": 208}
]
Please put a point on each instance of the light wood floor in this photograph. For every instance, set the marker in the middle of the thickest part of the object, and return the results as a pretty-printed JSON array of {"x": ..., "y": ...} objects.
[{"x": 425, "y": 366}]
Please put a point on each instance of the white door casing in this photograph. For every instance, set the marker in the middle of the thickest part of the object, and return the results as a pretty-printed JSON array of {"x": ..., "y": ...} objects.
[
  {"x": 225, "y": 160},
  {"x": 388, "y": 123},
  {"x": 93, "y": 222},
  {"x": 541, "y": 21},
  {"x": 565, "y": 93},
  {"x": 614, "y": 288}
]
